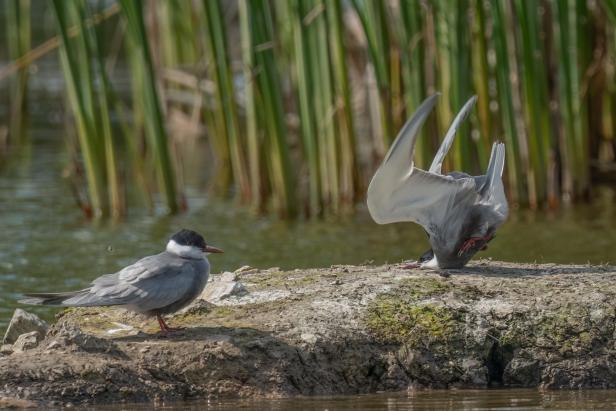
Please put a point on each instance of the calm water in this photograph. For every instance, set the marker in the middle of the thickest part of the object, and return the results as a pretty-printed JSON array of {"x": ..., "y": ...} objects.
[{"x": 468, "y": 400}]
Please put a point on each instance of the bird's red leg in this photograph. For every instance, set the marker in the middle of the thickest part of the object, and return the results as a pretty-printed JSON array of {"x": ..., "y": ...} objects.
[
  {"x": 471, "y": 242},
  {"x": 164, "y": 328},
  {"x": 162, "y": 324}
]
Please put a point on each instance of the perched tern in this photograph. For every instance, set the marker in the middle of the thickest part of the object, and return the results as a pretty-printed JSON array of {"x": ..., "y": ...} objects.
[
  {"x": 156, "y": 285},
  {"x": 459, "y": 212}
]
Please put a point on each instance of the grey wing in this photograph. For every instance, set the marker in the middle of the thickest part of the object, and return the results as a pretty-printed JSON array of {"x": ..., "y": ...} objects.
[
  {"x": 400, "y": 155},
  {"x": 492, "y": 190},
  {"x": 400, "y": 192},
  {"x": 150, "y": 283},
  {"x": 437, "y": 163},
  {"x": 421, "y": 197}
]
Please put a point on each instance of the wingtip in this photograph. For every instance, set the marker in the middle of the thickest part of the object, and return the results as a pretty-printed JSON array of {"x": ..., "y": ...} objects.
[
  {"x": 432, "y": 98},
  {"x": 429, "y": 103},
  {"x": 409, "y": 131},
  {"x": 470, "y": 103}
]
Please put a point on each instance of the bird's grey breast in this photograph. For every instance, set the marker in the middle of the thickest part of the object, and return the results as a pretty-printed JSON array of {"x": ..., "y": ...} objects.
[{"x": 195, "y": 272}]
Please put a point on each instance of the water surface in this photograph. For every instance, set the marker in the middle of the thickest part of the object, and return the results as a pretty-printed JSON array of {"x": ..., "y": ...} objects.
[{"x": 437, "y": 400}]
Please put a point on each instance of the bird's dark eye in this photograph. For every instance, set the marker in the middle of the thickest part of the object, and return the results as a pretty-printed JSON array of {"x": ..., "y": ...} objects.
[{"x": 427, "y": 256}]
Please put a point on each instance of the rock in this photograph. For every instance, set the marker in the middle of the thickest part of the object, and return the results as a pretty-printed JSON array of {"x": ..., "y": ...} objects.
[
  {"x": 198, "y": 306},
  {"x": 475, "y": 372},
  {"x": 522, "y": 372},
  {"x": 299, "y": 333},
  {"x": 27, "y": 341},
  {"x": 53, "y": 345},
  {"x": 23, "y": 322},
  {"x": 121, "y": 329},
  {"x": 219, "y": 290},
  {"x": 6, "y": 349},
  {"x": 16, "y": 403},
  {"x": 246, "y": 269},
  {"x": 69, "y": 335},
  {"x": 309, "y": 338},
  {"x": 228, "y": 276}
]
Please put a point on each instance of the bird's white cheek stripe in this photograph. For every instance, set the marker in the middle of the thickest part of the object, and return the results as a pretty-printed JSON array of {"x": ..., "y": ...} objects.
[{"x": 184, "y": 250}]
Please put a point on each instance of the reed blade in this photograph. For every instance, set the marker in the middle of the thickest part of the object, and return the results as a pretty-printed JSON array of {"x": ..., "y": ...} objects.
[{"x": 154, "y": 123}]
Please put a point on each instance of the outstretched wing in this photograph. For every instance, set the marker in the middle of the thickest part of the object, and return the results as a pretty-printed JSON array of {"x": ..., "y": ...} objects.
[
  {"x": 152, "y": 282},
  {"x": 421, "y": 197},
  {"x": 437, "y": 163},
  {"x": 492, "y": 190},
  {"x": 400, "y": 192}
]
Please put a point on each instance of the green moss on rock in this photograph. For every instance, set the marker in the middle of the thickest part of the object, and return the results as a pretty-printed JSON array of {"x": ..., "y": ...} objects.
[
  {"x": 281, "y": 279},
  {"x": 421, "y": 288},
  {"x": 394, "y": 320}
]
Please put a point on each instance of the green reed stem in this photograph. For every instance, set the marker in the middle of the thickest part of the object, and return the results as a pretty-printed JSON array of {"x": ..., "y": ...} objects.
[{"x": 155, "y": 128}]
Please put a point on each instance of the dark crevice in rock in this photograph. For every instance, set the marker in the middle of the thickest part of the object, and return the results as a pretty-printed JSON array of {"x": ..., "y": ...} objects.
[{"x": 497, "y": 360}]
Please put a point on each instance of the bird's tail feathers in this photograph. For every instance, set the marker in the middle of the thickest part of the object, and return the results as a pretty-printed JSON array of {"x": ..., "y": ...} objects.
[
  {"x": 497, "y": 161},
  {"x": 52, "y": 299}
]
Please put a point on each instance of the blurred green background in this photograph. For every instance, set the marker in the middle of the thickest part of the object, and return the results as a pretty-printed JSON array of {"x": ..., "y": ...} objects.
[{"x": 297, "y": 101}]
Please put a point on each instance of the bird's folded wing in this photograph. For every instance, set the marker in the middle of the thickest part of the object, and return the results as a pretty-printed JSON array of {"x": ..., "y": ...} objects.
[{"x": 146, "y": 283}]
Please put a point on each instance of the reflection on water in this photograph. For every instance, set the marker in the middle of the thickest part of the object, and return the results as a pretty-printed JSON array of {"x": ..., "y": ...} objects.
[{"x": 475, "y": 400}]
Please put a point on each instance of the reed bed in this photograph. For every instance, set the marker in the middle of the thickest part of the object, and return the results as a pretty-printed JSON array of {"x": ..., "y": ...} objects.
[
  {"x": 81, "y": 64},
  {"x": 18, "y": 36},
  {"x": 304, "y": 97},
  {"x": 92, "y": 101},
  {"x": 145, "y": 79}
]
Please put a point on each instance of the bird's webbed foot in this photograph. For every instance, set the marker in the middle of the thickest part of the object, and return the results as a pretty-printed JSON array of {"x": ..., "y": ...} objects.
[{"x": 165, "y": 330}]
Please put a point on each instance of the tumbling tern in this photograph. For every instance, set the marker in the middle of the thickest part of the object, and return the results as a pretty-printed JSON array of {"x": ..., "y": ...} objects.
[
  {"x": 459, "y": 212},
  {"x": 156, "y": 285}
]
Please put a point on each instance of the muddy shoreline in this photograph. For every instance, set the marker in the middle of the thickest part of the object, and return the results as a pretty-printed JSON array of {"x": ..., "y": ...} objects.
[{"x": 340, "y": 330}]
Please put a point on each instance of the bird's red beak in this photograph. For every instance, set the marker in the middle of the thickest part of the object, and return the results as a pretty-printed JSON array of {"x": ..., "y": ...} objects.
[{"x": 212, "y": 249}]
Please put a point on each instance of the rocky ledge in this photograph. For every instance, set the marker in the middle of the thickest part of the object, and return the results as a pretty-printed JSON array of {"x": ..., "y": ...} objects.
[{"x": 341, "y": 330}]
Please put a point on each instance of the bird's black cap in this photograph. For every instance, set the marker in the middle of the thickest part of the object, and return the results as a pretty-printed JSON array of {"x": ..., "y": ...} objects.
[{"x": 190, "y": 238}]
